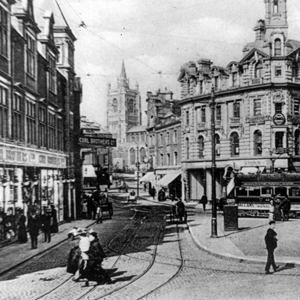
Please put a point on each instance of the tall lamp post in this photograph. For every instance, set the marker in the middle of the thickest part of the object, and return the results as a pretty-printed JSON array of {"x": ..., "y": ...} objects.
[
  {"x": 214, "y": 233},
  {"x": 138, "y": 179}
]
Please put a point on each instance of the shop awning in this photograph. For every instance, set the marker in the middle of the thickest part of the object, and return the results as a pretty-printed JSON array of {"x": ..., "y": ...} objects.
[
  {"x": 169, "y": 177},
  {"x": 251, "y": 170},
  {"x": 148, "y": 177}
]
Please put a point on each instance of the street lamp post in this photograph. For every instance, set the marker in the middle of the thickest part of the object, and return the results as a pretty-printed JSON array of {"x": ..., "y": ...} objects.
[
  {"x": 214, "y": 233},
  {"x": 137, "y": 184}
]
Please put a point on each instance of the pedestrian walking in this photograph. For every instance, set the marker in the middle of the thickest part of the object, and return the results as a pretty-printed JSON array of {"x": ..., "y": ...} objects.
[
  {"x": 34, "y": 225},
  {"x": 153, "y": 192},
  {"x": 271, "y": 210},
  {"x": 277, "y": 213},
  {"x": 204, "y": 201},
  {"x": 22, "y": 235},
  {"x": 84, "y": 209},
  {"x": 47, "y": 221},
  {"x": 285, "y": 207},
  {"x": 271, "y": 245},
  {"x": 54, "y": 226}
]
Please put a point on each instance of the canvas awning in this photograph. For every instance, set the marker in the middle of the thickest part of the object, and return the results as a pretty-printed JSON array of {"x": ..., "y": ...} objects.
[
  {"x": 168, "y": 178},
  {"x": 148, "y": 177},
  {"x": 251, "y": 170}
]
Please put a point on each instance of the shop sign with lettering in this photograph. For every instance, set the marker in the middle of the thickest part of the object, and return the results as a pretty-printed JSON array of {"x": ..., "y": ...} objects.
[{"x": 279, "y": 119}]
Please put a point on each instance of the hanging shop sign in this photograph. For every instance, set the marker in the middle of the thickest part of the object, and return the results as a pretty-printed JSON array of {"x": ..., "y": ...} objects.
[{"x": 97, "y": 141}]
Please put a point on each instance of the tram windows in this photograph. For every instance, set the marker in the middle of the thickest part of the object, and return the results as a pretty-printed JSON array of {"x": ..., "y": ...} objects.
[
  {"x": 293, "y": 192},
  {"x": 281, "y": 190},
  {"x": 267, "y": 191},
  {"x": 254, "y": 192},
  {"x": 241, "y": 192}
]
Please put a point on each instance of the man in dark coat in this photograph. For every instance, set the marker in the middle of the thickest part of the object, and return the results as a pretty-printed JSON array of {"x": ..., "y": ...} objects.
[
  {"x": 204, "y": 201},
  {"x": 271, "y": 245},
  {"x": 47, "y": 221},
  {"x": 285, "y": 207},
  {"x": 34, "y": 226}
]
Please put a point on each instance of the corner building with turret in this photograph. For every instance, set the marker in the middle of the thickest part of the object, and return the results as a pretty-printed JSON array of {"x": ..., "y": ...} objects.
[{"x": 257, "y": 109}]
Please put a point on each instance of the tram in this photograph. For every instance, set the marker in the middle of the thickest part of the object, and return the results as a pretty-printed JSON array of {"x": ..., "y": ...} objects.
[{"x": 253, "y": 192}]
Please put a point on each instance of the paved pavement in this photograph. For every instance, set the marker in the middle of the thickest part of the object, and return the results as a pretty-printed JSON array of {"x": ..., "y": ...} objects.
[{"x": 244, "y": 244}]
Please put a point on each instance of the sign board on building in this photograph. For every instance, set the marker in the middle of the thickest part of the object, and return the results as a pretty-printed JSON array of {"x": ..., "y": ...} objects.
[
  {"x": 279, "y": 119},
  {"x": 97, "y": 141}
]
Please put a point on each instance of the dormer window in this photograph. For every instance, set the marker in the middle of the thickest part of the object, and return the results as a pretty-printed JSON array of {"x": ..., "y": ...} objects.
[
  {"x": 216, "y": 81},
  {"x": 275, "y": 8},
  {"x": 258, "y": 70},
  {"x": 234, "y": 79},
  {"x": 277, "y": 47}
]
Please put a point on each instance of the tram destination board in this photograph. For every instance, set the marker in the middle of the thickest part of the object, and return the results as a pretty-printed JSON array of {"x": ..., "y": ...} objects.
[{"x": 97, "y": 141}]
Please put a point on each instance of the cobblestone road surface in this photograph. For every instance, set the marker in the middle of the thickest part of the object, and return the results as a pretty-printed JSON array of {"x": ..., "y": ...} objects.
[{"x": 174, "y": 269}]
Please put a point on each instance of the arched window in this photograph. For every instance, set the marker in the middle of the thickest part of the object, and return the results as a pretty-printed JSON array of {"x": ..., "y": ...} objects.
[
  {"x": 187, "y": 144},
  {"x": 277, "y": 47},
  {"x": 131, "y": 106},
  {"x": 275, "y": 8},
  {"x": 258, "y": 70},
  {"x": 175, "y": 158},
  {"x": 161, "y": 159},
  {"x": 217, "y": 145},
  {"x": 142, "y": 154},
  {"x": 168, "y": 159},
  {"x": 132, "y": 156},
  {"x": 257, "y": 139},
  {"x": 201, "y": 146},
  {"x": 234, "y": 144},
  {"x": 297, "y": 140}
]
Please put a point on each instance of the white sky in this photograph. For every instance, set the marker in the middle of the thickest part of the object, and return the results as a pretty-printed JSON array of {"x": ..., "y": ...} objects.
[{"x": 155, "y": 36}]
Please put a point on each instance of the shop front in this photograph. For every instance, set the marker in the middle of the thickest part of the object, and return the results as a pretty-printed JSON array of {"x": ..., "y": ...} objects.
[{"x": 31, "y": 179}]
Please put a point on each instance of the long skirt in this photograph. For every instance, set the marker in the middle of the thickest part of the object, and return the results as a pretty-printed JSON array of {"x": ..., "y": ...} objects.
[
  {"x": 73, "y": 260},
  {"x": 22, "y": 235}
]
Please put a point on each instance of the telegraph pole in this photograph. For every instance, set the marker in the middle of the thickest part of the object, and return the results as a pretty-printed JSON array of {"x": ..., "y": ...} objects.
[{"x": 212, "y": 103}]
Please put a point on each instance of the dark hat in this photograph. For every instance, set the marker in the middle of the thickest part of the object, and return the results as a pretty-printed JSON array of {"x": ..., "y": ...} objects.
[{"x": 271, "y": 222}]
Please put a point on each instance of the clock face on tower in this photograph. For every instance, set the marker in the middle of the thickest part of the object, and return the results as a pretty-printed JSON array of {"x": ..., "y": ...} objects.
[{"x": 115, "y": 105}]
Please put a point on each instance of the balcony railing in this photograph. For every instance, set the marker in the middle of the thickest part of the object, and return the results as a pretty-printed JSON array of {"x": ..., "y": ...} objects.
[{"x": 235, "y": 120}]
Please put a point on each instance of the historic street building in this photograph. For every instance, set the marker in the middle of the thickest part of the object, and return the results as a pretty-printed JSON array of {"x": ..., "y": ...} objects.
[
  {"x": 257, "y": 109},
  {"x": 123, "y": 113},
  {"x": 39, "y": 110},
  {"x": 164, "y": 143}
]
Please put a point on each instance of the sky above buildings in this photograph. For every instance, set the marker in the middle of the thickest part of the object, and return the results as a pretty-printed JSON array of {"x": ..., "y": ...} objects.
[{"x": 155, "y": 38}]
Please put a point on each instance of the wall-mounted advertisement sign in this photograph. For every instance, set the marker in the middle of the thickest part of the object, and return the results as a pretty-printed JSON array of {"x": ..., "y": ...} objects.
[{"x": 279, "y": 119}]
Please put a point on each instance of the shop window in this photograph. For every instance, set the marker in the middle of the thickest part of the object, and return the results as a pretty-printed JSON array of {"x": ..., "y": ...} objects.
[
  {"x": 257, "y": 142},
  {"x": 234, "y": 144}
]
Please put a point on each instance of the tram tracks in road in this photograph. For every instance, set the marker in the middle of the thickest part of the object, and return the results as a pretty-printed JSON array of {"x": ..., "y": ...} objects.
[{"x": 127, "y": 246}]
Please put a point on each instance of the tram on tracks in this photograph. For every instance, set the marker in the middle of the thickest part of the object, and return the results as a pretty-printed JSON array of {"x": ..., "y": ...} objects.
[{"x": 253, "y": 192}]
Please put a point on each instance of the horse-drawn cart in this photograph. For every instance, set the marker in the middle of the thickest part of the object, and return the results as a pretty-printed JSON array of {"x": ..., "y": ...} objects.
[{"x": 105, "y": 206}]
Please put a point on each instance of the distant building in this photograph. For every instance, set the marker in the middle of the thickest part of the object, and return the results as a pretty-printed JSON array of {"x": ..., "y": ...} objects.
[
  {"x": 123, "y": 113},
  {"x": 93, "y": 157},
  {"x": 257, "y": 109},
  {"x": 164, "y": 142}
]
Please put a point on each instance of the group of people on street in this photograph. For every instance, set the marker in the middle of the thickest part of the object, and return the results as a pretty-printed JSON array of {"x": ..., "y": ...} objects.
[
  {"x": 279, "y": 208},
  {"x": 91, "y": 205},
  {"x": 86, "y": 257},
  {"x": 47, "y": 222}
]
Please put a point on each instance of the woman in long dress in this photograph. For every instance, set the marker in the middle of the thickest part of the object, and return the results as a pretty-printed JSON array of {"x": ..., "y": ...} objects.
[{"x": 22, "y": 235}]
